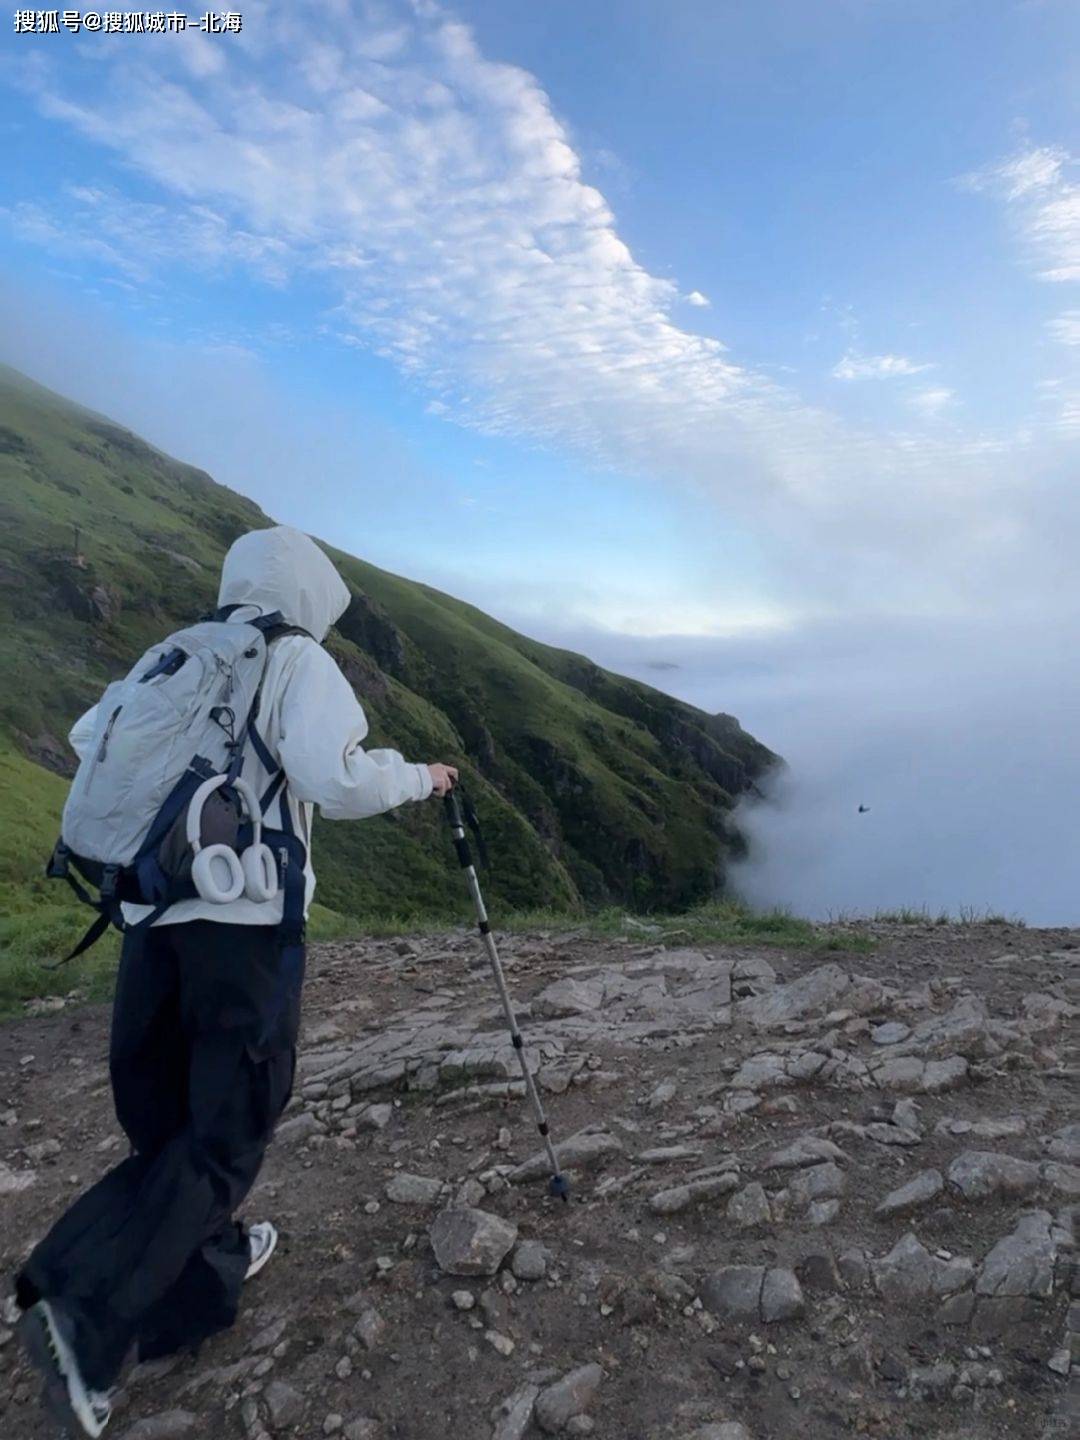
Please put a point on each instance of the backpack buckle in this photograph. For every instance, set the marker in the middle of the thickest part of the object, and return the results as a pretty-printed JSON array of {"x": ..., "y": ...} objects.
[
  {"x": 109, "y": 877},
  {"x": 59, "y": 862}
]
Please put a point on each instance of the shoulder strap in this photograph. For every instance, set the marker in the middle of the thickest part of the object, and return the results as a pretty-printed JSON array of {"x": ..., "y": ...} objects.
[
  {"x": 280, "y": 630},
  {"x": 273, "y": 626}
]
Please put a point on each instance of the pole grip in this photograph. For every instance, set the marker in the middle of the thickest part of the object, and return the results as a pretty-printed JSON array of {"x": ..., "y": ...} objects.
[
  {"x": 453, "y": 810},
  {"x": 457, "y": 825}
]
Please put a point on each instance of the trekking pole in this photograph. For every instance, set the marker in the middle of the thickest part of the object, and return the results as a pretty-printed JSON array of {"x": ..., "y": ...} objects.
[{"x": 557, "y": 1185}]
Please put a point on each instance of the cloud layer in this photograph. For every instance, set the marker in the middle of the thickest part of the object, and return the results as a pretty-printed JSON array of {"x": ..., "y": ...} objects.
[
  {"x": 437, "y": 202},
  {"x": 949, "y": 732}
]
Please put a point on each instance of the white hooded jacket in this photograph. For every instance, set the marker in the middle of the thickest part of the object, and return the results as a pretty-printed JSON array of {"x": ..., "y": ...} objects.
[{"x": 309, "y": 718}]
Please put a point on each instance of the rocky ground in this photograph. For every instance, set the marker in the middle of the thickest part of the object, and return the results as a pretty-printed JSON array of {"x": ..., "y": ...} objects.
[{"x": 811, "y": 1197}]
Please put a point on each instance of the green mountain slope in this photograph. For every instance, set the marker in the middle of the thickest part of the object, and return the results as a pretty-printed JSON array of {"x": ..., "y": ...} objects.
[{"x": 593, "y": 788}]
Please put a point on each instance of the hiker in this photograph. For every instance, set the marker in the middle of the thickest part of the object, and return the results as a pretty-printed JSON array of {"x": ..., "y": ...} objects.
[{"x": 207, "y": 1008}]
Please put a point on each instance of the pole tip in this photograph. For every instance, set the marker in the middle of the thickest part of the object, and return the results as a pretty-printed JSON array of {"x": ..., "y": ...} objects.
[{"x": 559, "y": 1186}]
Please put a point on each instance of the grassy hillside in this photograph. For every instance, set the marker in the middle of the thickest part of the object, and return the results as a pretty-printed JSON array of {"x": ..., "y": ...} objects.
[{"x": 594, "y": 789}]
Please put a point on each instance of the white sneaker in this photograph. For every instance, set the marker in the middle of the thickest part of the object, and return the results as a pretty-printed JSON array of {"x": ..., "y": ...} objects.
[
  {"x": 46, "y": 1335},
  {"x": 262, "y": 1242}
]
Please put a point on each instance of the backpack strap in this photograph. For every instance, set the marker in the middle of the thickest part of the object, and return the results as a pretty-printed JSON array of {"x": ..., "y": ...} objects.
[
  {"x": 291, "y": 855},
  {"x": 258, "y": 744},
  {"x": 107, "y": 905},
  {"x": 269, "y": 795},
  {"x": 273, "y": 627}
]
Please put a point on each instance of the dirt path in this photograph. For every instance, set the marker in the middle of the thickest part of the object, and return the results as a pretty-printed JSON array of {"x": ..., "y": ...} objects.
[{"x": 731, "y": 1121}]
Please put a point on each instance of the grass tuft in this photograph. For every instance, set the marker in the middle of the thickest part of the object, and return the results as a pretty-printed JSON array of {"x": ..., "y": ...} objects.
[{"x": 717, "y": 922}]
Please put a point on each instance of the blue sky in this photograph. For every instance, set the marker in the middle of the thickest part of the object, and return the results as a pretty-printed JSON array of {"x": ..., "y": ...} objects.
[{"x": 633, "y": 323}]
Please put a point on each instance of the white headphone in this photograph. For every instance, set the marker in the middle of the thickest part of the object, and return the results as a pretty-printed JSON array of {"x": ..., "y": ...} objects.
[{"x": 219, "y": 873}]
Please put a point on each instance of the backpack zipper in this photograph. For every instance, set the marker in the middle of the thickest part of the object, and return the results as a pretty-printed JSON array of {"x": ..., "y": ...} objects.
[{"x": 103, "y": 749}]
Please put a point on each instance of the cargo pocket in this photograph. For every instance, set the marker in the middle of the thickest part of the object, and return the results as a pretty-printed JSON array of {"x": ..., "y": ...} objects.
[
  {"x": 280, "y": 1005},
  {"x": 271, "y": 1090}
]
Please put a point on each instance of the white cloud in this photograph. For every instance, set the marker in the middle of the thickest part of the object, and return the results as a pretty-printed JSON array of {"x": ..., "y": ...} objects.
[
  {"x": 1042, "y": 199},
  {"x": 1044, "y": 203},
  {"x": 695, "y": 297},
  {"x": 142, "y": 239},
  {"x": 1067, "y": 409},
  {"x": 1021, "y": 175},
  {"x": 435, "y": 195},
  {"x": 1065, "y": 328},
  {"x": 933, "y": 400},
  {"x": 201, "y": 55},
  {"x": 875, "y": 367}
]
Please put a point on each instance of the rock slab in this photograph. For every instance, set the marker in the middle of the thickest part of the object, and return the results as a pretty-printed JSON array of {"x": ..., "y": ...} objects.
[{"x": 753, "y": 1292}]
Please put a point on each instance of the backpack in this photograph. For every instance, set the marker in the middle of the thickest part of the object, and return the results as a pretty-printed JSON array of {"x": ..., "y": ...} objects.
[{"x": 154, "y": 814}]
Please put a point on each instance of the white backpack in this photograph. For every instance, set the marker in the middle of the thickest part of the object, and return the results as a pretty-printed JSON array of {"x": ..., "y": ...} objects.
[{"x": 156, "y": 811}]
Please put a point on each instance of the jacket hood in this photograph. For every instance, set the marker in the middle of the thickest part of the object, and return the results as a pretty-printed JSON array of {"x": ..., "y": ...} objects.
[{"x": 283, "y": 569}]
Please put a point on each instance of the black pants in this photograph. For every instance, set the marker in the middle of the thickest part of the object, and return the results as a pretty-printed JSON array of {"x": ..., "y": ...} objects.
[{"x": 202, "y": 1058}]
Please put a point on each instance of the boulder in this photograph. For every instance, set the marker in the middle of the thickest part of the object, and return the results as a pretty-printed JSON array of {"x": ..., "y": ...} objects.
[
  {"x": 1023, "y": 1262},
  {"x": 890, "y": 1033},
  {"x": 932, "y": 1382},
  {"x": 1004, "y": 1128},
  {"x": 807, "y": 1150},
  {"x": 1063, "y": 1180},
  {"x": 734, "y": 1292},
  {"x": 285, "y": 1404},
  {"x": 909, "y": 1273},
  {"x": 817, "y": 1182},
  {"x": 942, "y": 1075},
  {"x": 374, "y": 1117},
  {"x": 816, "y": 993},
  {"x": 584, "y": 1150},
  {"x": 413, "y": 1190},
  {"x": 854, "y": 1266},
  {"x": 370, "y": 1327},
  {"x": 568, "y": 997},
  {"x": 781, "y": 1296},
  {"x": 362, "y": 1428},
  {"x": 964, "y": 1030},
  {"x": 169, "y": 1425},
  {"x": 1065, "y": 1145},
  {"x": 919, "y": 1191},
  {"x": 753, "y": 1292},
  {"x": 981, "y": 1174},
  {"x": 530, "y": 1260},
  {"x": 662, "y": 1095},
  {"x": 1044, "y": 1012},
  {"x": 515, "y": 1414},
  {"x": 572, "y": 1395},
  {"x": 822, "y": 1212},
  {"x": 899, "y": 1072},
  {"x": 681, "y": 1197},
  {"x": 471, "y": 1242},
  {"x": 761, "y": 1072},
  {"x": 300, "y": 1128},
  {"x": 12, "y": 1181},
  {"x": 749, "y": 1208}
]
